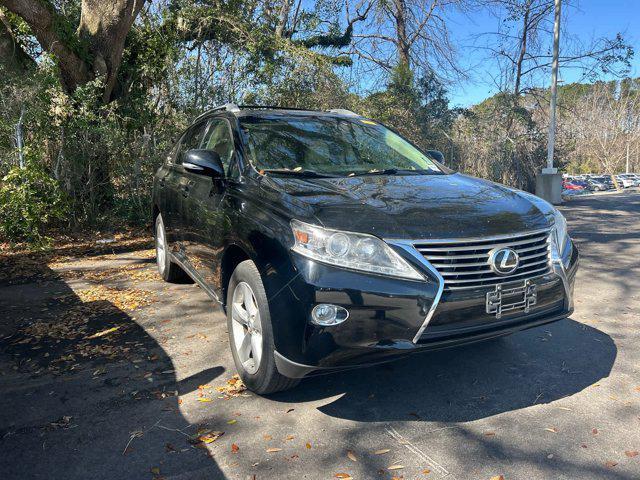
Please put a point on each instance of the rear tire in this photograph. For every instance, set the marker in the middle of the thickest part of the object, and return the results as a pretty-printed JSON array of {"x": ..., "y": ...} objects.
[
  {"x": 251, "y": 333},
  {"x": 169, "y": 271}
]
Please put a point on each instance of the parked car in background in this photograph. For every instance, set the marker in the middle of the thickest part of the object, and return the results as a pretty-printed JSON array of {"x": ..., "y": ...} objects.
[
  {"x": 624, "y": 181},
  {"x": 595, "y": 185},
  {"x": 567, "y": 185},
  {"x": 631, "y": 177},
  {"x": 606, "y": 180},
  {"x": 332, "y": 242}
]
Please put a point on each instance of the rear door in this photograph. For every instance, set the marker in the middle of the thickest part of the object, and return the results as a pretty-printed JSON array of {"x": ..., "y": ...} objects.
[{"x": 208, "y": 222}]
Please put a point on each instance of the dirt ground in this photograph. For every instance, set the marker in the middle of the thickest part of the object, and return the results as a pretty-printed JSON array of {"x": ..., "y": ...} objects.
[{"x": 106, "y": 372}]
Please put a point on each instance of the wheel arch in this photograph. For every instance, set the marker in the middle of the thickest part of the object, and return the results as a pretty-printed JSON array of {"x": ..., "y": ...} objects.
[{"x": 232, "y": 257}]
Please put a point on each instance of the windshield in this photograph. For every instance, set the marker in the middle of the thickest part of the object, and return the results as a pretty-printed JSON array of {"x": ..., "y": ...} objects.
[{"x": 331, "y": 146}]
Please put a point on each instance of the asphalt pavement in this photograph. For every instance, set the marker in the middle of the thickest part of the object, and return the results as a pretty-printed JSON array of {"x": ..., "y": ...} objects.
[{"x": 108, "y": 373}]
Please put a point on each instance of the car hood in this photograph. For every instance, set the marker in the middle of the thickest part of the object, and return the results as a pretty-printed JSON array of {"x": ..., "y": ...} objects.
[{"x": 410, "y": 206}]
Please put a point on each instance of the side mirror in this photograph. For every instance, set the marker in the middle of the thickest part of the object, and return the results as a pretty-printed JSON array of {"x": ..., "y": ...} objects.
[
  {"x": 436, "y": 155},
  {"x": 203, "y": 162}
]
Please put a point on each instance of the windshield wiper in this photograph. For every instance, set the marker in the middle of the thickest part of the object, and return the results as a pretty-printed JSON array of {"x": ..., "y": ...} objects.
[
  {"x": 390, "y": 171},
  {"x": 298, "y": 173}
]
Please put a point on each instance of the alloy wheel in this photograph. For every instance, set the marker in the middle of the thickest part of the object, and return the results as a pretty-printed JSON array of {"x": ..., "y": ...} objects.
[{"x": 247, "y": 328}]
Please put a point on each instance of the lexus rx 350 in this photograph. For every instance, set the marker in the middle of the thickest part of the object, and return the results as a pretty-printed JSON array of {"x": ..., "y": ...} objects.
[{"x": 332, "y": 242}]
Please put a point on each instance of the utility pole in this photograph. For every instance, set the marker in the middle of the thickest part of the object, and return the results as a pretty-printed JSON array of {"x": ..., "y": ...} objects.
[
  {"x": 549, "y": 183},
  {"x": 554, "y": 89}
]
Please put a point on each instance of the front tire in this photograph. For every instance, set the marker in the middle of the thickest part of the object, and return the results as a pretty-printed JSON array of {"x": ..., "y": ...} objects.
[{"x": 251, "y": 333}]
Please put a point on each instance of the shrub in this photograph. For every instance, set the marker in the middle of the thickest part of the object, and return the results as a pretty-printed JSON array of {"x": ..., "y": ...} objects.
[{"x": 30, "y": 201}]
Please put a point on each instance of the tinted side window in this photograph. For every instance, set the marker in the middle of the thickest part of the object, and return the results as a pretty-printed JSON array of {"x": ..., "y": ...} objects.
[
  {"x": 219, "y": 140},
  {"x": 191, "y": 139}
]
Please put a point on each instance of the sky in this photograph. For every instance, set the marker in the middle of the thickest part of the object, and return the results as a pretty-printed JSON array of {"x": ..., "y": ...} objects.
[{"x": 591, "y": 19}]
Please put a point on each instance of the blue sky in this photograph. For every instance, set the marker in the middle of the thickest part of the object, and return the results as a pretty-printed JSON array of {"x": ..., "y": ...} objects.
[{"x": 591, "y": 18}]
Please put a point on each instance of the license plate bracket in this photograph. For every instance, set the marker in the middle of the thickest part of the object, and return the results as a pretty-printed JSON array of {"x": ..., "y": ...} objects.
[{"x": 511, "y": 298}]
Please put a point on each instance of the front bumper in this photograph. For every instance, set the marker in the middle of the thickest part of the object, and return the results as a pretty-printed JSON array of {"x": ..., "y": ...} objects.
[{"x": 391, "y": 318}]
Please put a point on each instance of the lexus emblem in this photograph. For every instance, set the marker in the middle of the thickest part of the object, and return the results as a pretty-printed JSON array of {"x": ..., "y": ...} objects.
[{"x": 503, "y": 261}]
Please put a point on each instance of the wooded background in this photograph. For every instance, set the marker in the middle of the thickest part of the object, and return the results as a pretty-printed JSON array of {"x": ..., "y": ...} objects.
[{"x": 92, "y": 93}]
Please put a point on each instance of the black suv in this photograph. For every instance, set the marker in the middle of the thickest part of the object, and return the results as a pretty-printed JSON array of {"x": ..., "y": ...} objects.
[{"x": 332, "y": 242}]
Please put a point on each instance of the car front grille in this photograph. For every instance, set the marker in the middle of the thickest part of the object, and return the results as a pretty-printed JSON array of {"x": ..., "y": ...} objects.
[{"x": 464, "y": 263}]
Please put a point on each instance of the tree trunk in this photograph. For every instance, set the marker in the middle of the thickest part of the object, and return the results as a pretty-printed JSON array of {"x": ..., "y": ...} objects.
[
  {"x": 95, "y": 49},
  {"x": 283, "y": 17},
  {"x": 402, "y": 39},
  {"x": 523, "y": 49},
  {"x": 104, "y": 26},
  {"x": 13, "y": 58}
]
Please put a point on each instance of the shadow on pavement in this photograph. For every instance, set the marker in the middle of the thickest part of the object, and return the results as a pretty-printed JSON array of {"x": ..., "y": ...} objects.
[
  {"x": 469, "y": 383},
  {"x": 84, "y": 389}
]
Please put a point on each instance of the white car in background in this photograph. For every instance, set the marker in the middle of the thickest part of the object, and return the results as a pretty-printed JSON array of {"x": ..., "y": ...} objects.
[
  {"x": 625, "y": 181},
  {"x": 633, "y": 178}
]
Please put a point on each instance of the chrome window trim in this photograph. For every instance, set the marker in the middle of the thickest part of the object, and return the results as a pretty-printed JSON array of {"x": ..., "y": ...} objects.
[
  {"x": 408, "y": 247},
  {"x": 471, "y": 239}
]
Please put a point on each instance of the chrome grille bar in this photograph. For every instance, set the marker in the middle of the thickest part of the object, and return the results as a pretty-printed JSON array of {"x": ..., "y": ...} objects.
[{"x": 464, "y": 263}]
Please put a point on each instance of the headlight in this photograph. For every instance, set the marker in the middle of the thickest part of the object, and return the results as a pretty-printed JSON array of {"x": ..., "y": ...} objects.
[
  {"x": 356, "y": 251},
  {"x": 560, "y": 236}
]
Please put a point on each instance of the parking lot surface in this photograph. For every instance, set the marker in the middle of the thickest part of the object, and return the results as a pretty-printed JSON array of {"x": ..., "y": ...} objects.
[{"x": 107, "y": 372}]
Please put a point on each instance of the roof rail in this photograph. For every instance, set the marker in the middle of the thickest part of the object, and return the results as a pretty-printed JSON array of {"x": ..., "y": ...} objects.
[
  {"x": 342, "y": 111},
  {"x": 273, "y": 107},
  {"x": 229, "y": 107}
]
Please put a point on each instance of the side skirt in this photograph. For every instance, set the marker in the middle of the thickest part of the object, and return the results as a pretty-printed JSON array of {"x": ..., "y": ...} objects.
[{"x": 195, "y": 276}]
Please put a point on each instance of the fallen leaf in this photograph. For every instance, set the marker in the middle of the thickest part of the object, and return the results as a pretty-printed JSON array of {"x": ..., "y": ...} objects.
[
  {"x": 395, "y": 467},
  {"x": 552, "y": 430},
  {"x": 155, "y": 470},
  {"x": 290, "y": 437},
  {"x": 381, "y": 451},
  {"x": 610, "y": 464},
  {"x": 308, "y": 445},
  {"x": 204, "y": 399},
  {"x": 234, "y": 448},
  {"x": 290, "y": 410},
  {"x": 351, "y": 456},
  {"x": 205, "y": 436},
  {"x": 426, "y": 471},
  {"x": 343, "y": 475},
  {"x": 231, "y": 422},
  {"x": 594, "y": 431},
  {"x": 631, "y": 453},
  {"x": 267, "y": 437},
  {"x": 489, "y": 434},
  {"x": 637, "y": 389},
  {"x": 169, "y": 448},
  {"x": 497, "y": 477},
  {"x": 584, "y": 445},
  {"x": 272, "y": 450},
  {"x": 103, "y": 333}
]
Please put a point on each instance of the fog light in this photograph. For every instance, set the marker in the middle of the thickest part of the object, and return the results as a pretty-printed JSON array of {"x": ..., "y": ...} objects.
[{"x": 326, "y": 314}]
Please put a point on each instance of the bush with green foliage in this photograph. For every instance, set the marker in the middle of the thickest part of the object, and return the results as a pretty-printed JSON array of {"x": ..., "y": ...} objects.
[{"x": 30, "y": 201}]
